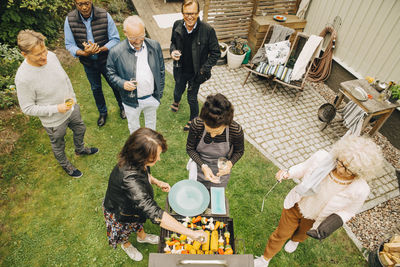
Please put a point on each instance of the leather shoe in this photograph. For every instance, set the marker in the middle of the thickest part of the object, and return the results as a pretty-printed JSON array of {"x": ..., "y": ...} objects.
[
  {"x": 102, "y": 120},
  {"x": 122, "y": 114}
]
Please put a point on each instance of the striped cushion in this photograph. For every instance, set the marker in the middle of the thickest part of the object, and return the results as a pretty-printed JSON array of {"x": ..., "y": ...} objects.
[{"x": 279, "y": 71}]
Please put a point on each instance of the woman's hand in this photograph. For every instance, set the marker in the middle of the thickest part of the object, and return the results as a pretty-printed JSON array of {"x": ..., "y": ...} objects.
[
  {"x": 282, "y": 174},
  {"x": 165, "y": 187},
  {"x": 199, "y": 236},
  {"x": 226, "y": 170},
  {"x": 208, "y": 174}
]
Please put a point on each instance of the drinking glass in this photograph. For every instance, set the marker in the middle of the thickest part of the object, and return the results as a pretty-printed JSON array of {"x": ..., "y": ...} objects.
[
  {"x": 135, "y": 84},
  {"x": 69, "y": 102},
  {"x": 177, "y": 63},
  {"x": 222, "y": 161}
]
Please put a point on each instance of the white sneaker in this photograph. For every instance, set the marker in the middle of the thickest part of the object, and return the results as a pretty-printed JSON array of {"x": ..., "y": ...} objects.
[
  {"x": 132, "y": 252},
  {"x": 151, "y": 239},
  {"x": 291, "y": 246},
  {"x": 261, "y": 262}
]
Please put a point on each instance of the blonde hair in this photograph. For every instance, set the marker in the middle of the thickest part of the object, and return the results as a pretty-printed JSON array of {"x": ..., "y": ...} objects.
[
  {"x": 28, "y": 39},
  {"x": 360, "y": 155}
]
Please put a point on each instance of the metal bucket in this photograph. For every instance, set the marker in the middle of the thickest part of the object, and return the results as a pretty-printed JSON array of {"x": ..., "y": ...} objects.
[{"x": 326, "y": 112}]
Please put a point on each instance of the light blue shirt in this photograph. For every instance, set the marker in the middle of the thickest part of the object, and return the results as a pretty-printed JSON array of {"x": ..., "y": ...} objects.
[
  {"x": 70, "y": 44},
  {"x": 194, "y": 27}
]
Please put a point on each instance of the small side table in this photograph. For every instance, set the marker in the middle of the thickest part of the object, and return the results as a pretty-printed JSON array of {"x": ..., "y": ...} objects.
[{"x": 372, "y": 107}]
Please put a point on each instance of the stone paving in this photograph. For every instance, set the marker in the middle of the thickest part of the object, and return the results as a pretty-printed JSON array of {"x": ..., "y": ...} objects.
[{"x": 285, "y": 132}]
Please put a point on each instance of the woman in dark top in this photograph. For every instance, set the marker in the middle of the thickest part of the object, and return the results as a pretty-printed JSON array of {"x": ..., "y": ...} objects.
[
  {"x": 129, "y": 199},
  {"x": 213, "y": 135}
]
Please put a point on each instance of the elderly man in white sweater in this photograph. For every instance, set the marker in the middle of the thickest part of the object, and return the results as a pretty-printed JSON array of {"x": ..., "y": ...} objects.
[
  {"x": 44, "y": 90},
  {"x": 331, "y": 189}
]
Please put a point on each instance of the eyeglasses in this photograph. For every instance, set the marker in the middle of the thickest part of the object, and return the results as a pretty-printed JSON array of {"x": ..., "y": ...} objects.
[
  {"x": 341, "y": 164},
  {"x": 190, "y": 14},
  {"x": 84, "y": 4},
  {"x": 136, "y": 38}
]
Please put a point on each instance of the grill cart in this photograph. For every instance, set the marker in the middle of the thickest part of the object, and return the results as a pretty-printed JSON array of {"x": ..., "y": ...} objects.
[{"x": 179, "y": 250}]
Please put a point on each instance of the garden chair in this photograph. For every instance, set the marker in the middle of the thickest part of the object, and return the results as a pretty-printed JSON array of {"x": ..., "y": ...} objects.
[
  {"x": 251, "y": 67},
  {"x": 304, "y": 50}
]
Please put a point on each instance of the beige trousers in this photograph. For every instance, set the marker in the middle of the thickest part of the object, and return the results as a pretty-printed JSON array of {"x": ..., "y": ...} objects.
[{"x": 291, "y": 225}]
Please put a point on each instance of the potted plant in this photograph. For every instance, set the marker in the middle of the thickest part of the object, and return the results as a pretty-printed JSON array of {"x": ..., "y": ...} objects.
[
  {"x": 237, "y": 52},
  {"x": 394, "y": 93}
]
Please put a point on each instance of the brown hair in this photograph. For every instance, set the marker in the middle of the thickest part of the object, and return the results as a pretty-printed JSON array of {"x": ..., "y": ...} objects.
[
  {"x": 217, "y": 111},
  {"x": 141, "y": 148},
  {"x": 28, "y": 39},
  {"x": 190, "y": 2}
]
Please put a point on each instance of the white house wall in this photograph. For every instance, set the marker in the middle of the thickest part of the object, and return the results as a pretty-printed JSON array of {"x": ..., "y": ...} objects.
[{"x": 369, "y": 37}]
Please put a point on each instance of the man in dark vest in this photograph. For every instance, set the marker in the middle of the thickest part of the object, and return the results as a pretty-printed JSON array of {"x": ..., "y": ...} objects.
[{"x": 90, "y": 33}]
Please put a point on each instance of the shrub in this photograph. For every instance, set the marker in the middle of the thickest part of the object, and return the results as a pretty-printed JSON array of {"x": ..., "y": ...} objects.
[
  {"x": 10, "y": 59},
  {"x": 45, "y": 16}
]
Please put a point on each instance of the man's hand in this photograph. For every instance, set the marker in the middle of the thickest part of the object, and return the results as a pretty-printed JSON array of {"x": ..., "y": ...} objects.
[
  {"x": 226, "y": 169},
  {"x": 91, "y": 48},
  {"x": 176, "y": 55},
  {"x": 129, "y": 86},
  {"x": 62, "y": 108},
  {"x": 208, "y": 174}
]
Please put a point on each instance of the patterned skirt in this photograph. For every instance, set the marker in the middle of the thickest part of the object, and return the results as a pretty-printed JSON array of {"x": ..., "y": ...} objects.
[{"x": 119, "y": 232}]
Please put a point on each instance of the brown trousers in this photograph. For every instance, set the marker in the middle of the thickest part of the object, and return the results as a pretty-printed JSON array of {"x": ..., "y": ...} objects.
[{"x": 291, "y": 225}]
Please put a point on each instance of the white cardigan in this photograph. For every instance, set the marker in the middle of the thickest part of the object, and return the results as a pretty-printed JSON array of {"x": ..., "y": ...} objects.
[{"x": 345, "y": 203}]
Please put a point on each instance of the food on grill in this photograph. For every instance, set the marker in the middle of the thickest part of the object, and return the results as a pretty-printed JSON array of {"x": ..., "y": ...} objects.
[
  {"x": 214, "y": 241},
  {"x": 197, "y": 219},
  {"x": 206, "y": 245},
  {"x": 228, "y": 250},
  {"x": 218, "y": 239},
  {"x": 196, "y": 245},
  {"x": 227, "y": 236}
]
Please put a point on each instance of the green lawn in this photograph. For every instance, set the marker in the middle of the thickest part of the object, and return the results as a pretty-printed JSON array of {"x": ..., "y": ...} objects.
[{"x": 50, "y": 219}]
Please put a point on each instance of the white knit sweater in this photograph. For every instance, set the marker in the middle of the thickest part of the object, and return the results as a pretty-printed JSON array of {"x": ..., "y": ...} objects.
[{"x": 41, "y": 89}]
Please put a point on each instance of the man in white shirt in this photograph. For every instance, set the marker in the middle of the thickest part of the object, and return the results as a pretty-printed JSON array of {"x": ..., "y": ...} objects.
[
  {"x": 136, "y": 67},
  {"x": 44, "y": 90}
]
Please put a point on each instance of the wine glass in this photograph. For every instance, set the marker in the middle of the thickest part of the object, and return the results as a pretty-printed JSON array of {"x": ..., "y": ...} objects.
[
  {"x": 177, "y": 63},
  {"x": 222, "y": 163},
  {"x": 134, "y": 82},
  {"x": 69, "y": 102}
]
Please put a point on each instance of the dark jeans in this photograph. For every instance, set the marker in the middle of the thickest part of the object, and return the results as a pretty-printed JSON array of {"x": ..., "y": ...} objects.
[
  {"x": 93, "y": 74},
  {"x": 193, "y": 90},
  {"x": 56, "y": 135}
]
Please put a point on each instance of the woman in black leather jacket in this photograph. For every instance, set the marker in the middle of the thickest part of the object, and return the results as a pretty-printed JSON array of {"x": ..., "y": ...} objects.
[{"x": 129, "y": 199}]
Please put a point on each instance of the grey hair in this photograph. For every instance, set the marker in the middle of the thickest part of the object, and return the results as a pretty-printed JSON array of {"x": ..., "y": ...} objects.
[
  {"x": 133, "y": 20},
  {"x": 360, "y": 155}
]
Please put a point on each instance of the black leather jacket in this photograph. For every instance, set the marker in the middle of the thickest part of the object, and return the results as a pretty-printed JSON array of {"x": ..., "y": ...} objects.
[
  {"x": 130, "y": 196},
  {"x": 205, "y": 49}
]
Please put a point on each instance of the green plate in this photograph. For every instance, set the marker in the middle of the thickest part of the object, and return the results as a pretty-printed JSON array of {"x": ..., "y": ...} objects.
[{"x": 188, "y": 198}]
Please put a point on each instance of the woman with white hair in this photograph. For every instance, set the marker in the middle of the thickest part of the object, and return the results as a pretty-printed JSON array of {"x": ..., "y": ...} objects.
[{"x": 331, "y": 188}]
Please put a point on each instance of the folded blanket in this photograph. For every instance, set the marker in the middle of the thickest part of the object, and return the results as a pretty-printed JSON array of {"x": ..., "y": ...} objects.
[{"x": 305, "y": 55}]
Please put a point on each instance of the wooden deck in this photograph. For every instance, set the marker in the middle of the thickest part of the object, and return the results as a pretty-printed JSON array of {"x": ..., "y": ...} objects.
[{"x": 147, "y": 8}]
